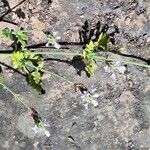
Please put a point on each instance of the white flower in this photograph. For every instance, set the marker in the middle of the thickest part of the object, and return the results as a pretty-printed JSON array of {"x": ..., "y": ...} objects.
[
  {"x": 111, "y": 69},
  {"x": 86, "y": 105},
  {"x": 116, "y": 65},
  {"x": 47, "y": 133},
  {"x": 95, "y": 103},
  {"x": 85, "y": 96},
  {"x": 47, "y": 44},
  {"x": 46, "y": 123},
  {"x": 90, "y": 97},
  {"x": 120, "y": 67},
  {"x": 107, "y": 69},
  {"x": 56, "y": 45},
  {"x": 52, "y": 40},
  {"x": 37, "y": 129},
  {"x": 113, "y": 76}
]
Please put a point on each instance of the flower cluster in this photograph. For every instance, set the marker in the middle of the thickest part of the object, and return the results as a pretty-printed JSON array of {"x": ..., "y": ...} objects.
[
  {"x": 41, "y": 128},
  {"x": 88, "y": 95},
  {"x": 39, "y": 125},
  {"x": 89, "y": 98},
  {"x": 115, "y": 66}
]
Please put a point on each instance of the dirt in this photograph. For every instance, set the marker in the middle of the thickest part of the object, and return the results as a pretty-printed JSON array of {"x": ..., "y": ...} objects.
[{"x": 121, "y": 120}]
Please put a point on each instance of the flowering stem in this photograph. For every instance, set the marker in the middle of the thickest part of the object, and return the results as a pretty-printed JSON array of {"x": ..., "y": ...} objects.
[
  {"x": 100, "y": 58},
  {"x": 125, "y": 62},
  {"x": 16, "y": 96},
  {"x": 58, "y": 53},
  {"x": 49, "y": 72},
  {"x": 47, "y": 53}
]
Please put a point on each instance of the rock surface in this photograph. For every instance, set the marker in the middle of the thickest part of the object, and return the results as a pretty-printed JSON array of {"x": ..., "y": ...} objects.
[{"x": 122, "y": 119}]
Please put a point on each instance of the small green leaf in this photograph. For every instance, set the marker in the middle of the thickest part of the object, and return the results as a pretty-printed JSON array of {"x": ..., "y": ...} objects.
[
  {"x": 35, "y": 80},
  {"x": 37, "y": 77},
  {"x": 7, "y": 33},
  {"x": 18, "y": 59},
  {"x": 37, "y": 60},
  {"x": 21, "y": 38},
  {"x": 88, "y": 59},
  {"x": 103, "y": 41},
  {"x": 1, "y": 79},
  {"x": 90, "y": 46},
  {"x": 90, "y": 66},
  {"x": 50, "y": 39},
  {"x": 41, "y": 126}
]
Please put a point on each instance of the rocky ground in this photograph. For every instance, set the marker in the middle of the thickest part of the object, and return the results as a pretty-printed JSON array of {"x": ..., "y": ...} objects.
[{"x": 122, "y": 119}]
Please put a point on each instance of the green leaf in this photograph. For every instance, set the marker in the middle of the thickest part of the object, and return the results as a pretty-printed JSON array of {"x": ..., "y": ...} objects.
[
  {"x": 37, "y": 77},
  {"x": 103, "y": 41},
  {"x": 37, "y": 60},
  {"x": 7, "y": 33},
  {"x": 90, "y": 66},
  {"x": 21, "y": 38},
  {"x": 90, "y": 46},
  {"x": 1, "y": 79},
  {"x": 18, "y": 59},
  {"x": 35, "y": 80},
  {"x": 89, "y": 61},
  {"x": 51, "y": 39}
]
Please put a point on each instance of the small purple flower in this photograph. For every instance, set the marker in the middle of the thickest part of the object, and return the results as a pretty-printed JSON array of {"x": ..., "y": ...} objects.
[
  {"x": 89, "y": 97},
  {"x": 111, "y": 69},
  {"x": 41, "y": 128},
  {"x": 52, "y": 40},
  {"x": 57, "y": 46}
]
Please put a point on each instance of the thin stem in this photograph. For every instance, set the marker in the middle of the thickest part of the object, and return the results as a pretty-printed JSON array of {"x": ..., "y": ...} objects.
[
  {"x": 16, "y": 96},
  {"x": 47, "y": 53},
  {"x": 125, "y": 62},
  {"x": 58, "y": 53},
  {"x": 5, "y": 55},
  {"x": 49, "y": 72},
  {"x": 135, "y": 63},
  {"x": 101, "y": 58}
]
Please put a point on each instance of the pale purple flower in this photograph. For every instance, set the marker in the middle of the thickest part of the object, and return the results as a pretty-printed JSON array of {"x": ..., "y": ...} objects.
[
  {"x": 52, "y": 40},
  {"x": 86, "y": 105},
  {"x": 95, "y": 103},
  {"x": 37, "y": 129},
  {"x": 47, "y": 133},
  {"x": 107, "y": 69},
  {"x": 89, "y": 97},
  {"x": 46, "y": 123},
  {"x": 57, "y": 46},
  {"x": 47, "y": 44},
  {"x": 116, "y": 65},
  {"x": 120, "y": 67},
  {"x": 111, "y": 69},
  {"x": 113, "y": 76}
]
